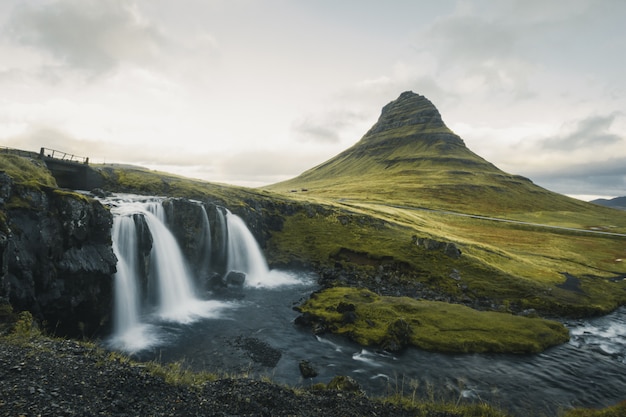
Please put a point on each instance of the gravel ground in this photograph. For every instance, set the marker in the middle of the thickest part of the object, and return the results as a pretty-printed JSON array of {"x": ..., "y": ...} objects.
[{"x": 52, "y": 377}]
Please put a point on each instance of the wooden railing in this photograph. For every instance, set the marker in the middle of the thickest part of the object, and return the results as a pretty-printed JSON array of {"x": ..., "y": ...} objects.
[{"x": 63, "y": 156}]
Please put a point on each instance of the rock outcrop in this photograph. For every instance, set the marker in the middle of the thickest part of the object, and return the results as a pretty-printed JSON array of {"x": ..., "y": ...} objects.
[{"x": 56, "y": 259}]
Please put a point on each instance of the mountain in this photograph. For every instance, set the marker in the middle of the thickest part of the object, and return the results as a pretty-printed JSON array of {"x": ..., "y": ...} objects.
[
  {"x": 411, "y": 157},
  {"x": 617, "y": 202}
]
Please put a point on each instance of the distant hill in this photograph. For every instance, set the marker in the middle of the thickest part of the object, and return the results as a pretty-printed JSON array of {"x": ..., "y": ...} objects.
[
  {"x": 410, "y": 157},
  {"x": 617, "y": 202}
]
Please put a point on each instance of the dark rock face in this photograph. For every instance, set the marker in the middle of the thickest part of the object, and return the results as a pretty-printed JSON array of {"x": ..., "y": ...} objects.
[
  {"x": 448, "y": 248},
  {"x": 187, "y": 220},
  {"x": 56, "y": 258}
]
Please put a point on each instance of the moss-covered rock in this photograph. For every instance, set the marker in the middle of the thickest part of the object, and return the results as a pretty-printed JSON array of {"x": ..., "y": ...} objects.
[{"x": 395, "y": 322}]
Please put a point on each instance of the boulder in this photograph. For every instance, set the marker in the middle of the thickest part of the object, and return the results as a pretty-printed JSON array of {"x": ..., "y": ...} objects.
[
  {"x": 398, "y": 336},
  {"x": 344, "y": 383},
  {"x": 235, "y": 279},
  {"x": 306, "y": 369}
]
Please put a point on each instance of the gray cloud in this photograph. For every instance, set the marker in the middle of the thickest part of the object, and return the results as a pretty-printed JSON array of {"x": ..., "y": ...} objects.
[
  {"x": 87, "y": 34},
  {"x": 469, "y": 39},
  {"x": 589, "y": 132},
  {"x": 325, "y": 127},
  {"x": 601, "y": 178}
]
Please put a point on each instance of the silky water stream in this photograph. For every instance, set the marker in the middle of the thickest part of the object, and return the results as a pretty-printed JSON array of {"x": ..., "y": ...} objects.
[{"x": 250, "y": 330}]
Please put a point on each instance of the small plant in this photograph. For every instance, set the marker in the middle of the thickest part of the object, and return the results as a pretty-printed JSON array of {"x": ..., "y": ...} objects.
[
  {"x": 176, "y": 373},
  {"x": 25, "y": 327}
]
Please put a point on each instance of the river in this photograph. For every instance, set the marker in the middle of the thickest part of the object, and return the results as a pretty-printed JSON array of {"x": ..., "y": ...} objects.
[{"x": 253, "y": 334}]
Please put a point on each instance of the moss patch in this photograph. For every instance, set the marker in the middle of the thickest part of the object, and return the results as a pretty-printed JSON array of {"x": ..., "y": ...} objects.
[
  {"x": 618, "y": 410},
  {"x": 27, "y": 171},
  {"x": 370, "y": 319}
]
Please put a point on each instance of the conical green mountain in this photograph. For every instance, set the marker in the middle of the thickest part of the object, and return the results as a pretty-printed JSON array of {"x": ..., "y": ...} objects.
[{"x": 410, "y": 157}]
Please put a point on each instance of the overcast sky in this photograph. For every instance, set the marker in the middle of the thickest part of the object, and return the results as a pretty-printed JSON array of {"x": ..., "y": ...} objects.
[{"x": 253, "y": 92}]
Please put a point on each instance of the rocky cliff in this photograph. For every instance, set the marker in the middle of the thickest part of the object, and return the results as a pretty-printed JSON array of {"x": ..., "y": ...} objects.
[{"x": 56, "y": 257}]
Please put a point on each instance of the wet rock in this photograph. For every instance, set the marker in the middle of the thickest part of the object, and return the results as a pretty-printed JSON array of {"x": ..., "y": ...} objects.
[
  {"x": 349, "y": 317},
  {"x": 259, "y": 351},
  {"x": 235, "y": 279},
  {"x": 398, "y": 336},
  {"x": 344, "y": 383},
  {"x": 306, "y": 369},
  {"x": 344, "y": 307}
]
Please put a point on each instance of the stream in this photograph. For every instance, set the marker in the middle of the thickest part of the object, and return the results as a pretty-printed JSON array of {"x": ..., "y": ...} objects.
[{"x": 252, "y": 333}]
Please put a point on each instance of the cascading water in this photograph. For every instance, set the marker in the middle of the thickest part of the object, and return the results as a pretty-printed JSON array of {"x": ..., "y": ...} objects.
[
  {"x": 205, "y": 262},
  {"x": 176, "y": 294},
  {"x": 127, "y": 312},
  {"x": 176, "y": 298},
  {"x": 244, "y": 255}
]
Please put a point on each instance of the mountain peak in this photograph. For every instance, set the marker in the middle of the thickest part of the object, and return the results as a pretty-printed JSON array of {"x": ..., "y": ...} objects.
[
  {"x": 409, "y": 116},
  {"x": 410, "y": 109}
]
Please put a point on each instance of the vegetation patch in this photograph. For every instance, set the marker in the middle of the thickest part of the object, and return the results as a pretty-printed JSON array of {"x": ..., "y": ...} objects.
[
  {"x": 618, "y": 410},
  {"x": 27, "y": 171},
  {"x": 395, "y": 322}
]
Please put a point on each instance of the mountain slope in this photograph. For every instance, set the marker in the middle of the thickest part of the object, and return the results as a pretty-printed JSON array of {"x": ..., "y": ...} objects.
[
  {"x": 617, "y": 202},
  {"x": 410, "y": 157}
]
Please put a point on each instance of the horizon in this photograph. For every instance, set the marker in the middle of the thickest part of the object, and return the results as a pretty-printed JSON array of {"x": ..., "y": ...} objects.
[{"x": 252, "y": 94}]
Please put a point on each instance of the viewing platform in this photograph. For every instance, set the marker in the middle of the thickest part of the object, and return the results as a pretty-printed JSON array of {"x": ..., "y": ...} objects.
[{"x": 47, "y": 153}]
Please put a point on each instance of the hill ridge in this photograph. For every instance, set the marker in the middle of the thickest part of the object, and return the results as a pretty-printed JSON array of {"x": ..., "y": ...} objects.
[{"x": 410, "y": 157}]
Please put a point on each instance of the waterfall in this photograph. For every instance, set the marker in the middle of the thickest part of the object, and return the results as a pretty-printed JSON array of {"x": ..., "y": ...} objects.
[
  {"x": 154, "y": 284},
  {"x": 129, "y": 333},
  {"x": 223, "y": 237},
  {"x": 176, "y": 298},
  {"x": 175, "y": 285},
  {"x": 244, "y": 255},
  {"x": 126, "y": 313},
  {"x": 205, "y": 262}
]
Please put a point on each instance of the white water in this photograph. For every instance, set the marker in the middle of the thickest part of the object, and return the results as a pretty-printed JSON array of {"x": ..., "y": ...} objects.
[
  {"x": 139, "y": 318},
  {"x": 244, "y": 255},
  {"x": 177, "y": 301},
  {"x": 129, "y": 333},
  {"x": 206, "y": 246}
]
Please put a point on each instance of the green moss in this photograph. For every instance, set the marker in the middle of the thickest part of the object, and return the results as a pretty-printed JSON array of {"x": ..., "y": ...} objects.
[
  {"x": 176, "y": 373},
  {"x": 430, "y": 325},
  {"x": 66, "y": 193},
  {"x": 618, "y": 410},
  {"x": 29, "y": 172}
]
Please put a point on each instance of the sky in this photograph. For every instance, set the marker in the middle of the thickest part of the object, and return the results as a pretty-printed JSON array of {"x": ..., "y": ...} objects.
[{"x": 252, "y": 92}]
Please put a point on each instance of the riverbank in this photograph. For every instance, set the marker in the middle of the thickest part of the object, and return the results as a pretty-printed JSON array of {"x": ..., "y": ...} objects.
[
  {"x": 49, "y": 376},
  {"x": 43, "y": 376}
]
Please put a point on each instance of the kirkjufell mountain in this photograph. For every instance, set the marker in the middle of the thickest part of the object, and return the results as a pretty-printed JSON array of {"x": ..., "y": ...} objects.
[{"x": 410, "y": 156}]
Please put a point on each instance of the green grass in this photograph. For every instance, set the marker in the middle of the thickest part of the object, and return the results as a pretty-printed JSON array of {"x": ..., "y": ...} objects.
[
  {"x": 26, "y": 171},
  {"x": 431, "y": 325},
  {"x": 618, "y": 410}
]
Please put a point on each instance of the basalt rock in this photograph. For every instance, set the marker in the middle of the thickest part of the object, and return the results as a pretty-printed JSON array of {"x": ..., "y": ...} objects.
[
  {"x": 56, "y": 259},
  {"x": 188, "y": 222},
  {"x": 448, "y": 248}
]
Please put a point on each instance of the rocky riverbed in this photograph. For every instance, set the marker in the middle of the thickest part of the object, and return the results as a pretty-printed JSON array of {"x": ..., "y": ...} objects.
[{"x": 53, "y": 377}]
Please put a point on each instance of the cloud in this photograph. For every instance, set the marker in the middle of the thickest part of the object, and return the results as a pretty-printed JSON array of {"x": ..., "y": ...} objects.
[
  {"x": 589, "y": 132},
  {"x": 607, "y": 178},
  {"x": 325, "y": 127},
  {"x": 91, "y": 35}
]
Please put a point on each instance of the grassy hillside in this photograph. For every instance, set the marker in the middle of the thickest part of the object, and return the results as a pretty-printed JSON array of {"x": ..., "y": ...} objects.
[{"x": 419, "y": 179}]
